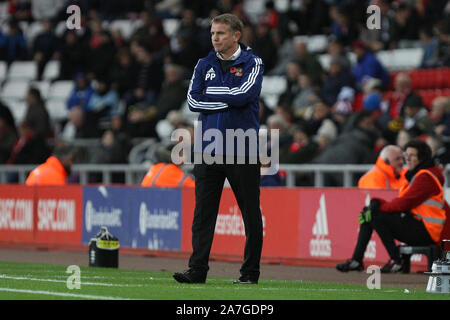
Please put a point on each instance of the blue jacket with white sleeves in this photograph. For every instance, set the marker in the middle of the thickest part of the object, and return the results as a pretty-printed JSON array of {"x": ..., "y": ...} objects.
[{"x": 226, "y": 100}]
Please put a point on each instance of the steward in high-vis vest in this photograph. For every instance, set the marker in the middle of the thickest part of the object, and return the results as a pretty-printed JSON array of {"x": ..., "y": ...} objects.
[
  {"x": 388, "y": 172},
  {"x": 55, "y": 170},
  {"x": 166, "y": 175},
  {"x": 416, "y": 217}
]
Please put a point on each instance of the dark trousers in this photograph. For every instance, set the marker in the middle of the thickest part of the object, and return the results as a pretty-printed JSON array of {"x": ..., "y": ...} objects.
[
  {"x": 244, "y": 180},
  {"x": 389, "y": 226}
]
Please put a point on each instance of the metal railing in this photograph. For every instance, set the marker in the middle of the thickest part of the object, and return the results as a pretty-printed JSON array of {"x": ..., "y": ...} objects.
[{"x": 133, "y": 173}]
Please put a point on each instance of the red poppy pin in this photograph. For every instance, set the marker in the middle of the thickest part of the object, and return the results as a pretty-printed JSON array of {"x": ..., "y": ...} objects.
[{"x": 232, "y": 69}]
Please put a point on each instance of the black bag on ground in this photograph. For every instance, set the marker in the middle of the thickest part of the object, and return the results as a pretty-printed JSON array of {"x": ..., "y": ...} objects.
[{"x": 104, "y": 250}]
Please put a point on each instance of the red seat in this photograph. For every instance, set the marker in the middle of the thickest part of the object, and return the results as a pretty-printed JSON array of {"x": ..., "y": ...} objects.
[{"x": 437, "y": 78}]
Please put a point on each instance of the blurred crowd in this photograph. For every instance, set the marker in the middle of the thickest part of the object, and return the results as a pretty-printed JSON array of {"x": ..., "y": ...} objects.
[{"x": 136, "y": 87}]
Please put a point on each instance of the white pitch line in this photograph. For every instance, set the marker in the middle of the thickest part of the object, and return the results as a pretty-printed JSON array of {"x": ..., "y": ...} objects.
[
  {"x": 3, "y": 276},
  {"x": 62, "y": 294}
]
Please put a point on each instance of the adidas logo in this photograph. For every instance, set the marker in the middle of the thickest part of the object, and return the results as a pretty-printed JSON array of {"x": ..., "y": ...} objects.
[
  {"x": 211, "y": 74},
  {"x": 319, "y": 246}
]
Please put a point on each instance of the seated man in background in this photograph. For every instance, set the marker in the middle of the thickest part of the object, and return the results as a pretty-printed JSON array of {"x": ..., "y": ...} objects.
[
  {"x": 416, "y": 217},
  {"x": 55, "y": 170},
  {"x": 164, "y": 173},
  {"x": 388, "y": 171}
]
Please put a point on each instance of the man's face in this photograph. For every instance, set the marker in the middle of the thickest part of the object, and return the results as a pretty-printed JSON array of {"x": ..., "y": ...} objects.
[
  {"x": 223, "y": 40},
  {"x": 411, "y": 157},
  {"x": 396, "y": 160}
]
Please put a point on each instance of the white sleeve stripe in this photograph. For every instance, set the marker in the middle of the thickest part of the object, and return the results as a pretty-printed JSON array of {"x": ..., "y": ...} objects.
[
  {"x": 243, "y": 89},
  {"x": 196, "y": 105}
]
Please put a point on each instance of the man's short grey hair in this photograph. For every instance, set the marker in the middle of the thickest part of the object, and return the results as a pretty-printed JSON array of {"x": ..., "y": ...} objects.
[
  {"x": 230, "y": 19},
  {"x": 386, "y": 151}
]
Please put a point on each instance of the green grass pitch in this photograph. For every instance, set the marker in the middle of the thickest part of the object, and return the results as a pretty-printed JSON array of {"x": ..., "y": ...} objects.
[{"x": 44, "y": 281}]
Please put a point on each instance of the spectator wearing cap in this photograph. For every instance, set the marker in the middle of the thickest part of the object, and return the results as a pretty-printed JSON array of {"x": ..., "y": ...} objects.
[
  {"x": 338, "y": 77},
  {"x": 372, "y": 102},
  {"x": 367, "y": 65},
  {"x": 416, "y": 117},
  {"x": 343, "y": 107}
]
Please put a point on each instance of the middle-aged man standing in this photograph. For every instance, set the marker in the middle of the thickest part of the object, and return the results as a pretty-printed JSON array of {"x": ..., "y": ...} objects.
[
  {"x": 388, "y": 172},
  {"x": 225, "y": 89},
  {"x": 416, "y": 217}
]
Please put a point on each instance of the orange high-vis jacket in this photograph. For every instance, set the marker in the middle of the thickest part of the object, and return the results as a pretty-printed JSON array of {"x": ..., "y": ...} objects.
[
  {"x": 381, "y": 176},
  {"x": 431, "y": 211},
  {"x": 166, "y": 175},
  {"x": 51, "y": 172}
]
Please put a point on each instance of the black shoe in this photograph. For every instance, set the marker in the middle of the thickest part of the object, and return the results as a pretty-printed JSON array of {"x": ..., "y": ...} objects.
[
  {"x": 246, "y": 280},
  {"x": 393, "y": 266},
  {"x": 350, "y": 265},
  {"x": 190, "y": 276}
]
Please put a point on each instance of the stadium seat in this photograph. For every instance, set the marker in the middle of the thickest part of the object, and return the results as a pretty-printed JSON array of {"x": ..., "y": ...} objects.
[
  {"x": 401, "y": 59},
  {"x": 61, "y": 89},
  {"x": 170, "y": 26},
  {"x": 428, "y": 95},
  {"x": 126, "y": 27},
  {"x": 61, "y": 27},
  {"x": 273, "y": 85},
  {"x": 51, "y": 70},
  {"x": 18, "y": 110},
  {"x": 272, "y": 88},
  {"x": 57, "y": 109},
  {"x": 315, "y": 44},
  {"x": 324, "y": 60},
  {"x": 22, "y": 70},
  {"x": 14, "y": 91},
  {"x": 43, "y": 86},
  {"x": 3, "y": 71},
  {"x": 33, "y": 30}
]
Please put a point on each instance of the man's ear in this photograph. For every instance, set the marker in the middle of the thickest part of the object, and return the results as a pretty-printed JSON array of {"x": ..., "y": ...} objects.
[{"x": 237, "y": 35}]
